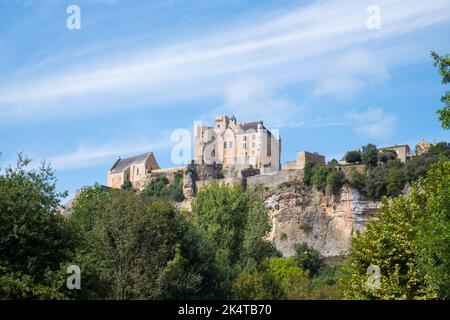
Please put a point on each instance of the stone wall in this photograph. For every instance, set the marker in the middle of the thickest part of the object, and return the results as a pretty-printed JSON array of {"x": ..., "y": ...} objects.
[
  {"x": 272, "y": 180},
  {"x": 206, "y": 171}
]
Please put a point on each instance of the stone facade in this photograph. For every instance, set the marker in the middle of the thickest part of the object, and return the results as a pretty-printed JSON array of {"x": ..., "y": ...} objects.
[
  {"x": 134, "y": 169},
  {"x": 237, "y": 145},
  {"x": 403, "y": 151},
  {"x": 422, "y": 147},
  {"x": 303, "y": 158}
]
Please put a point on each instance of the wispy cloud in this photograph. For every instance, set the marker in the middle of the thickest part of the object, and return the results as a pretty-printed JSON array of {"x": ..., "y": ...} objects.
[
  {"x": 373, "y": 123},
  {"x": 289, "y": 48}
]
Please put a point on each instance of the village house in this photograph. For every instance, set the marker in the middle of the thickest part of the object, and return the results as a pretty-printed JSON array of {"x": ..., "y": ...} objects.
[{"x": 134, "y": 169}]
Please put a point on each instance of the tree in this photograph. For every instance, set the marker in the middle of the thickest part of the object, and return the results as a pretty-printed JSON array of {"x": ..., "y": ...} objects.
[
  {"x": 35, "y": 244},
  {"x": 308, "y": 172},
  {"x": 433, "y": 236},
  {"x": 140, "y": 249},
  {"x": 413, "y": 262},
  {"x": 357, "y": 180},
  {"x": 235, "y": 222},
  {"x": 443, "y": 64},
  {"x": 127, "y": 185},
  {"x": 386, "y": 154},
  {"x": 353, "y": 156},
  {"x": 307, "y": 258},
  {"x": 395, "y": 179},
  {"x": 335, "y": 181},
  {"x": 369, "y": 155},
  {"x": 319, "y": 176}
]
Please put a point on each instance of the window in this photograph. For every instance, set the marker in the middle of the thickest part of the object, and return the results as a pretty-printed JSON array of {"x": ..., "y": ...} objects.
[
  {"x": 253, "y": 145},
  {"x": 224, "y": 145},
  {"x": 137, "y": 171},
  {"x": 245, "y": 146},
  {"x": 245, "y": 138},
  {"x": 253, "y": 137},
  {"x": 230, "y": 144}
]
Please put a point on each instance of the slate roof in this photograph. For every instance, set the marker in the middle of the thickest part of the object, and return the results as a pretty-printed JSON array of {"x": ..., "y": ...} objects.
[
  {"x": 251, "y": 125},
  {"x": 123, "y": 164}
]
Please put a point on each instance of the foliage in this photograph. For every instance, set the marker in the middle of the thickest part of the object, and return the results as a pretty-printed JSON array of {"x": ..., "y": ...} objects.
[
  {"x": 235, "y": 222},
  {"x": 307, "y": 258},
  {"x": 413, "y": 262},
  {"x": 369, "y": 155},
  {"x": 161, "y": 188},
  {"x": 335, "y": 181},
  {"x": 144, "y": 251},
  {"x": 386, "y": 154},
  {"x": 353, "y": 156},
  {"x": 443, "y": 64},
  {"x": 35, "y": 244},
  {"x": 357, "y": 180}
]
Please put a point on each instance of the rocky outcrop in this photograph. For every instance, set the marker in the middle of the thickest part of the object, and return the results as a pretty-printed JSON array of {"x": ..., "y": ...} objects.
[
  {"x": 189, "y": 185},
  {"x": 326, "y": 223}
]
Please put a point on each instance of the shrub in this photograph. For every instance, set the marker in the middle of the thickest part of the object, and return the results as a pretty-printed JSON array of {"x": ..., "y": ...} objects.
[
  {"x": 335, "y": 181},
  {"x": 353, "y": 156},
  {"x": 369, "y": 155},
  {"x": 307, "y": 258}
]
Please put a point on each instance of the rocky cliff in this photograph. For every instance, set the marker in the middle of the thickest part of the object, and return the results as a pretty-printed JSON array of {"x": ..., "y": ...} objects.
[
  {"x": 303, "y": 214},
  {"x": 326, "y": 223}
]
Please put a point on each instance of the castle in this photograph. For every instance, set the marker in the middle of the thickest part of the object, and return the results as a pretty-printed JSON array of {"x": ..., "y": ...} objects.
[
  {"x": 236, "y": 145},
  {"x": 231, "y": 152}
]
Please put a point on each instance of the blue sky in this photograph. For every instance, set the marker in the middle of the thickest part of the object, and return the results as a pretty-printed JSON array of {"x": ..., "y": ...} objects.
[{"x": 137, "y": 70}]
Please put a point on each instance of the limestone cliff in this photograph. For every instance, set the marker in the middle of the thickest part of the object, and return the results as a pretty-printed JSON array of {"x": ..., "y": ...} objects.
[{"x": 326, "y": 223}]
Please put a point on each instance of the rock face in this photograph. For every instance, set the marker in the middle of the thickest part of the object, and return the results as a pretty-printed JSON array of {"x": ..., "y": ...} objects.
[
  {"x": 300, "y": 214},
  {"x": 188, "y": 185}
]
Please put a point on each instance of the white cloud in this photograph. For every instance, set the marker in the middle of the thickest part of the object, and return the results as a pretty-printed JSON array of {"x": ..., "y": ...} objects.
[
  {"x": 373, "y": 123},
  {"x": 301, "y": 45},
  {"x": 85, "y": 156},
  {"x": 350, "y": 73},
  {"x": 253, "y": 98}
]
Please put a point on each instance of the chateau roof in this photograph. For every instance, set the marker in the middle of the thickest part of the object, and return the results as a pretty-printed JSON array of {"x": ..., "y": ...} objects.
[
  {"x": 251, "y": 125},
  {"x": 123, "y": 164}
]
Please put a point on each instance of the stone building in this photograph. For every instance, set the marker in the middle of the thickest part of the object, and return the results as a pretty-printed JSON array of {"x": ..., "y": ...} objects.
[
  {"x": 134, "y": 169},
  {"x": 236, "y": 145},
  {"x": 422, "y": 147},
  {"x": 303, "y": 158},
  {"x": 403, "y": 151}
]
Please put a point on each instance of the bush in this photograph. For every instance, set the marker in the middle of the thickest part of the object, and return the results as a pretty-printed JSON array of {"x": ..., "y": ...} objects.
[
  {"x": 369, "y": 155},
  {"x": 307, "y": 258},
  {"x": 353, "y": 156},
  {"x": 335, "y": 181},
  {"x": 386, "y": 155},
  {"x": 358, "y": 180},
  {"x": 408, "y": 241}
]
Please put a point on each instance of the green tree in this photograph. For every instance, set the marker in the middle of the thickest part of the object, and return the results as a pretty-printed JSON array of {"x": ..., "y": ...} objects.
[
  {"x": 36, "y": 246},
  {"x": 357, "y": 180},
  {"x": 335, "y": 181},
  {"x": 413, "y": 262},
  {"x": 353, "y": 156},
  {"x": 386, "y": 155},
  {"x": 369, "y": 155},
  {"x": 443, "y": 64},
  {"x": 307, "y": 258},
  {"x": 319, "y": 176},
  {"x": 235, "y": 221},
  {"x": 140, "y": 249}
]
